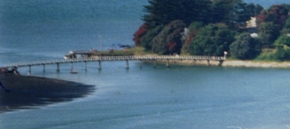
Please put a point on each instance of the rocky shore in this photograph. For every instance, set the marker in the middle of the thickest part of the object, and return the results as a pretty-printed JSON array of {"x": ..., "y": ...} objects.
[{"x": 231, "y": 63}]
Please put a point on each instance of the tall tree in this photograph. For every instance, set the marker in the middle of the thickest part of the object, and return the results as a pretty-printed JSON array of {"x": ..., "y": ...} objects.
[
  {"x": 168, "y": 41},
  {"x": 277, "y": 14},
  {"x": 268, "y": 33},
  {"x": 147, "y": 39},
  {"x": 140, "y": 33},
  {"x": 212, "y": 40},
  {"x": 282, "y": 40},
  {"x": 164, "y": 11},
  {"x": 253, "y": 9},
  {"x": 233, "y": 12},
  {"x": 245, "y": 47},
  {"x": 193, "y": 29}
]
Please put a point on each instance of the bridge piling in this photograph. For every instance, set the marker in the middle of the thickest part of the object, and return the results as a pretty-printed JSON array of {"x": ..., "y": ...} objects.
[
  {"x": 141, "y": 62},
  {"x": 29, "y": 71},
  {"x": 86, "y": 66},
  {"x": 72, "y": 67},
  {"x": 57, "y": 67},
  {"x": 167, "y": 59},
  {"x": 127, "y": 64},
  {"x": 100, "y": 65},
  {"x": 167, "y": 63},
  {"x": 43, "y": 67}
]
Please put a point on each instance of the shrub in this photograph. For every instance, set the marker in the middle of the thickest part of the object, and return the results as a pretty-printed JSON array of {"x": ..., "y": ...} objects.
[
  {"x": 211, "y": 40},
  {"x": 283, "y": 40},
  {"x": 245, "y": 47},
  {"x": 168, "y": 41}
]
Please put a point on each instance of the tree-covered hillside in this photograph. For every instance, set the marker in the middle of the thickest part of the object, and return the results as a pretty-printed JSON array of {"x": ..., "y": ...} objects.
[{"x": 210, "y": 27}]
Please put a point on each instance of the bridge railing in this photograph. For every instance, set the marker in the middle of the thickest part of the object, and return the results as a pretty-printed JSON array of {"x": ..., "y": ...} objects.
[{"x": 112, "y": 58}]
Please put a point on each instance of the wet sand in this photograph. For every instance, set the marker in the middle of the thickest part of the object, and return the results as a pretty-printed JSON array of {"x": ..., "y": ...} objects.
[{"x": 26, "y": 92}]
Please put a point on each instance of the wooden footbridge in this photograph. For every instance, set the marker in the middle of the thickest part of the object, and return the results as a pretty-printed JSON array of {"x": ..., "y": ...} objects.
[{"x": 99, "y": 59}]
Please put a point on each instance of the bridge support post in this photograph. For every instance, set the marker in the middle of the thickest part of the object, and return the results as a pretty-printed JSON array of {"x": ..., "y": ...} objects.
[
  {"x": 100, "y": 65},
  {"x": 72, "y": 67},
  {"x": 141, "y": 62},
  {"x": 220, "y": 62},
  {"x": 86, "y": 66},
  {"x": 167, "y": 63},
  {"x": 57, "y": 67},
  {"x": 29, "y": 71},
  {"x": 127, "y": 64},
  {"x": 43, "y": 67}
]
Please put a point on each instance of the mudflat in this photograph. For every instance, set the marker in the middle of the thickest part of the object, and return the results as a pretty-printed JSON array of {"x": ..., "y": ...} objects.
[{"x": 24, "y": 92}]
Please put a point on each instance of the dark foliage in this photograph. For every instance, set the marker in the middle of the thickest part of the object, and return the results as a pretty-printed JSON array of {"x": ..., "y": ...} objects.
[
  {"x": 234, "y": 13},
  {"x": 268, "y": 33},
  {"x": 193, "y": 29},
  {"x": 277, "y": 14},
  {"x": 168, "y": 41},
  {"x": 162, "y": 12},
  {"x": 147, "y": 39},
  {"x": 282, "y": 53},
  {"x": 212, "y": 40},
  {"x": 245, "y": 47},
  {"x": 140, "y": 32},
  {"x": 282, "y": 40}
]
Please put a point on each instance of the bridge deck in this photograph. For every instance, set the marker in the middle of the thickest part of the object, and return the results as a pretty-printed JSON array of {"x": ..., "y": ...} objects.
[{"x": 116, "y": 58}]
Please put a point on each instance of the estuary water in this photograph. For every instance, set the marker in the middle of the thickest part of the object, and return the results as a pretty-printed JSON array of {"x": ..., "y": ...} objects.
[{"x": 177, "y": 97}]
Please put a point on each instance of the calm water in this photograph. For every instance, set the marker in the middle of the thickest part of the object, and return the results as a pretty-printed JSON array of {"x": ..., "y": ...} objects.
[{"x": 176, "y": 97}]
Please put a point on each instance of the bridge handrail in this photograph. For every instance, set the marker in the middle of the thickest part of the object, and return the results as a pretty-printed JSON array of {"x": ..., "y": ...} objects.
[{"x": 110, "y": 58}]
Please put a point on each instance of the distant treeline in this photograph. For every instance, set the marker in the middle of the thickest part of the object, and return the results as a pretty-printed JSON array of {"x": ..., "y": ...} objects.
[{"x": 210, "y": 27}]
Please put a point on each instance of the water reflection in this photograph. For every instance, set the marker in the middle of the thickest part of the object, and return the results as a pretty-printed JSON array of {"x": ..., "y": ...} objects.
[{"x": 26, "y": 92}]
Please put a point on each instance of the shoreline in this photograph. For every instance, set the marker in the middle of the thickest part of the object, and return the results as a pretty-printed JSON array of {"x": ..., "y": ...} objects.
[
  {"x": 230, "y": 63},
  {"x": 256, "y": 64}
]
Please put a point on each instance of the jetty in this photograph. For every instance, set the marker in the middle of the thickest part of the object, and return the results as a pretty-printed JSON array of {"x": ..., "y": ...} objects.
[{"x": 100, "y": 59}]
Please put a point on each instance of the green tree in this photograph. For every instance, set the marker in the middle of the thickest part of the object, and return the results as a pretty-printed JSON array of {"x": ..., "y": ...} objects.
[
  {"x": 211, "y": 40},
  {"x": 245, "y": 47},
  {"x": 193, "y": 29},
  {"x": 287, "y": 23},
  {"x": 282, "y": 53},
  {"x": 277, "y": 14},
  {"x": 233, "y": 12},
  {"x": 268, "y": 33},
  {"x": 286, "y": 27},
  {"x": 253, "y": 9},
  {"x": 168, "y": 41},
  {"x": 139, "y": 34},
  {"x": 282, "y": 40},
  {"x": 147, "y": 39},
  {"x": 164, "y": 11}
]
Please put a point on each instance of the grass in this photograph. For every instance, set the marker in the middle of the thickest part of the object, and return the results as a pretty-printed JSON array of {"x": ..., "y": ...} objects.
[{"x": 124, "y": 52}]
